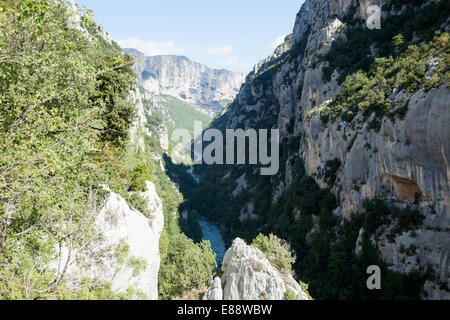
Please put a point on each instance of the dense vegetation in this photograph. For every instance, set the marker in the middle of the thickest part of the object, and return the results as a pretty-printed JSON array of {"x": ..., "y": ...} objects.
[
  {"x": 61, "y": 95},
  {"x": 175, "y": 114},
  {"x": 359, "y": 48},
  {"x": 378, "y": 64},
  {"x": 371, "y": 92},
  {"x": 303, "y": 216},
  {"x": 65, "y": 120}
]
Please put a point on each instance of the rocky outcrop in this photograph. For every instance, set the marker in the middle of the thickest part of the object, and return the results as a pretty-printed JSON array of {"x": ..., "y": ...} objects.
[
  {"x": 127, "y": 256},
  {"x": 75, "y": 21},
  {"x": 187, "y": 80},
  {"x": 138, "y": 129},
  {"x": 279, "y": 51},
  {"x": 119, "y": 222},
  {"x": 315, "y": 14},
  {"x": 248, "y": 275},
  {"x": 215, "y": 292}
]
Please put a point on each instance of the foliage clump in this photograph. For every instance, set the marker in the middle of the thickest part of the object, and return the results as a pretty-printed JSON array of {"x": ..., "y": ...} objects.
[
  {"x": 186, "y": 266},
  {"x": 277, "y": 251},
  {"x": 358, "y": 49},
  {"x": 371, "y": 92},
  {"x": 65, "y": 120},
  {"x": 63, "y": 96}
]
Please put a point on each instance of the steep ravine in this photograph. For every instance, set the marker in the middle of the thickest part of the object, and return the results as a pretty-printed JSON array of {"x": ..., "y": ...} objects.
[{"x": 387, "y": 170}]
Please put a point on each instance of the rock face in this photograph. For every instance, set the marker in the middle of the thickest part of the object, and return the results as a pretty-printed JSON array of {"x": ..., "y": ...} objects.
[
  {"x": 248, "y": 275},
  {"x": 315, "y": 14},
  {"x": 128, "y": 237},
  {"x": 404, "y": 158},
  {"x": 187, "y": 80},
  {"x": 139, "y": 129},
  {"x": 75, "y": 21},
  {"x": 279, "y": 51},
  {"x": 215, "y": 291},
  {"x": 119, "y": 223}
]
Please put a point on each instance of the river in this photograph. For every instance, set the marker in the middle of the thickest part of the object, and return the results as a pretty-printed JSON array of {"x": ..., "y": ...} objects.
[
  {"x": 214, "y": 235},
  {"x": 210, "y": 231}
]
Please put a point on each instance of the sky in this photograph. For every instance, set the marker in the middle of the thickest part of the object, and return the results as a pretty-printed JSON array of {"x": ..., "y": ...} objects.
[{"x": 228, "y": 34}]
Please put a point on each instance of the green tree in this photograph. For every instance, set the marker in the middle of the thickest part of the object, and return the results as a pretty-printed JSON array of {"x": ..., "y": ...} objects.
[
  {"x": 187, "y": 266},
  {"x": 58, "y": 90},
  {"x": 399, "y": 42}
]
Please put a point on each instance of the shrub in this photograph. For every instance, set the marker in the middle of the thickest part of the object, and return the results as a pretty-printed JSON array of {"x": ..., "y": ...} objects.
[
  {"x": 278, "y": 252},
  {"x": 138, "y": 265},
  {"x": 139, "y": 175},
  {"x": 290, "y": 295},
  {"x": 187, "y": 266},
  {"x": 331, "y": 169},
  {"x": 139, "y": 203}
]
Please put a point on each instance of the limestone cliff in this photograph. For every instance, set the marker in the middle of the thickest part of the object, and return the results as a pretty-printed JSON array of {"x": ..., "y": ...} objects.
[
  {"x": 248, "y": 275},
  {"x": 187, "y": 80},
  {"x": 127, "y": 254},
  {"x": 404, "y": 158},
  {"x": 75, "y": 21}
]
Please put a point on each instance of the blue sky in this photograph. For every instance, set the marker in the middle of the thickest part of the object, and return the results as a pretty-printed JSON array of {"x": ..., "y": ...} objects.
[{"x": 231, "y": 34}]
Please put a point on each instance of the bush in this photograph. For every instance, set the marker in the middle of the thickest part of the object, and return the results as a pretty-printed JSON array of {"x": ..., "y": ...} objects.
[
  {"x": 139, "y": 175},
  {"x": 187, "y": 266},
  {"x": 332, "y": 167},
  {"x": 277, "y": 251},
  {"x": 290, "y": 295},
  {"x": 408, "y": 219},
  {"x": 139, "y": 203}
]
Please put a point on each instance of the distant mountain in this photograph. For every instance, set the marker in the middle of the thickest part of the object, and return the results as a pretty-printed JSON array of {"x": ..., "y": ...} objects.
[
  {"x": 134, "y": 52},
  {"x": 187, "y": 80}
]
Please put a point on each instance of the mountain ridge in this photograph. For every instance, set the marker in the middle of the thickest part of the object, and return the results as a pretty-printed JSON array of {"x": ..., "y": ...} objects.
[{"x": 187, "y": 80}]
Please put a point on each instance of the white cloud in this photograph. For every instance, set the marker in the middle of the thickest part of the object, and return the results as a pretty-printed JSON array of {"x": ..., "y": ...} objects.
[
  {"x": 229, "y": 61},
  {"x": 233, "y": 63},
  {"x": 153, "y": 48},
  {"x": 277, "y": 42},
  {"x": 218, "y": 51}
]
